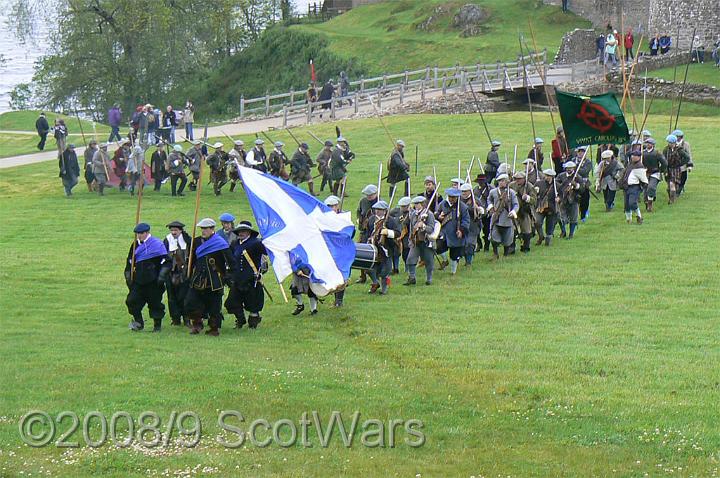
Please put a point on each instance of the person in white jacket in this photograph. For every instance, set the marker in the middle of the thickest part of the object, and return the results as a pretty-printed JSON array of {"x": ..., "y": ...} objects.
[{"x": 635, "y": 181}]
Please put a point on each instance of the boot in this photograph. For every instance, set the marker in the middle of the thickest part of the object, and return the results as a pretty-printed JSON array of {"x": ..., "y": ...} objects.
[
  {"x": 254, "y": 320},
  {"x": 197, "y": 326},
  {"x": 157, "y": 325},
  {"x": 240, "y": 321},
  {"x": 214, "y": 327},
  {"x": 232, "y": 186},
  {"x": 539, "y": 241},
  {"x": 410, "y": 281},
  {"x": 496, "y": 256},
  {"x": 383, "y": 286},
  {"x": 486, "y": 245},
  {"x": 548, "y": 240},
  {"x": 650, "y": 206},
  {"x": 313, "y": 306},
  {"x": 525, "y": 243},
  {"x": 363, "y": 278},
  {"x": 373, "y": 288},
  {"x": 137, "y": 323},
  {"x": 298, "y": 309},
  {"x": 311, "y": 187},
  {"x": 572, "y": 231}
]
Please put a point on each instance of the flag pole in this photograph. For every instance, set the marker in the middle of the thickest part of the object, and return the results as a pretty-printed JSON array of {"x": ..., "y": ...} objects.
[{"x": 282, "y": 289}]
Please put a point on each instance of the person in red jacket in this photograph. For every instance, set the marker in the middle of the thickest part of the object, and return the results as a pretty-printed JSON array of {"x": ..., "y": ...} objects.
[{"x": 628, "y": 43}]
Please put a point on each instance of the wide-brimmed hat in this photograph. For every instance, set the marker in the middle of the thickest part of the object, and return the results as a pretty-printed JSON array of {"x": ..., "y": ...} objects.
[{"x": 245, "y": 226}]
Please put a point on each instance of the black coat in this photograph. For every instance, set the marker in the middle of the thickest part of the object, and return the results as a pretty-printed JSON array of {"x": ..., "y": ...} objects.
[
  {"x": 153, "y": 270},
  {"x": 244, "y": 275},
  {"x": 68, "y": 164},
  {"x": 209, "y": 271},
  {"x": 397, "y": 168},
  {"x": 42, "y": 126}
]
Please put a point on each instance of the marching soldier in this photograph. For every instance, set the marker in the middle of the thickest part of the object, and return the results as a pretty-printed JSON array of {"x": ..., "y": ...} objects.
[
  {"x": 633, "y": 181},
  {"x": 455, "y": 226},
  {"x": 482, "y": 192},
  {"x": 100, "y": 166},
  {"x": 176, "y": 167},
  {"x": 300, "y": 167},
  {"x": 677, "y": 158},
  {"x": 655, "y": 164},
  {"x": 218, "y": 167},
  {"x": 382, "y": 230},
  {"x": 146, "y": 270},
  {"x": 211, "y": 266},
  {"x": 560, "y": 150},
  {"x": 323, "y": 160},
  {"x": 397, "y": 167},
  {"x": 177, "y": 242},
  {"x": 341, "y": 157},
  {"x": 503, "y": 208},
  {"x": 605, "y": 147},
  {"x": 546, "y": 211},
  {"x": 584, "y": 169},
  {"x": 236, "y": 159},
  {"x": 89, "y": 176},
  {"x": 277, "y": 161},
  {"x": 246, "y": 288},
  {"x": 536, "y": 154},
  {"x": 430, "y": 187},
  {"x": 401, "y": 213},
  {"x": 256, "y": 157},
  {"x": 607, "y": 174},
  {"x": 364, "y": 211},
  {"x": 688, "y": 167},
  {"x": 493, "y": 161},
  {"x": 532, "y": 171},
  {"x": 527, "y": 199},
  {"x": 421, "y": 224},
  {"x": 194, "y": 156},
  {"x": 570, "y": 186},
  {"x": 475, "y": 211}
]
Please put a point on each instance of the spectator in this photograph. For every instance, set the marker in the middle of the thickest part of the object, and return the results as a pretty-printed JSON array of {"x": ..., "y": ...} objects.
[
  {"x": 153, "y": 122},
  {"x": 344, "y": 87},
  {"x": 716, "y": 52},
  {"x": 600, "y": 47},
  {"x": 135, "y": 121},
  {"x": 61, "y": 133},
  {"x": 114, "y": 118},
  {"x": 69, "y": 169},
  {"x": 565, "y": 6},
  {"x": 43, "y": 128},
  {"x": 629, "y": 41},
  {"x": 665, "y": 44},
  {"x": 698, "y": 50},
  {"x": 654, "y": 45},
  {"x": 169, "y": 121},
  {"x": 189, "y": 119},
  {"x": 611, "y": 43},
  {"x": 326, "y": 94},
  {"x": 143, "y": 123}
]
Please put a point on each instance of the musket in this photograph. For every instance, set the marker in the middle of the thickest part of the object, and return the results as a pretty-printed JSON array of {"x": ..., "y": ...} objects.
[
  {"x": 458, "y": 169},
  {"x": 514, "y": 159},
  {"x": 482, "y": 118},
  {"x": 342, "y": 196},
  {"x": 81, "y": 128},
  {"x": 228, "y": 136},
  {"x": 316, "y": 138},
  {"x": 436, "y": 188},
  {"x": 293, "y": 136},
  {"x": 392, "y": 141},
  {"x": 527, "y": 90},
  {"x": 379, "y": 180},
  {"x": 687, "y": 67}
]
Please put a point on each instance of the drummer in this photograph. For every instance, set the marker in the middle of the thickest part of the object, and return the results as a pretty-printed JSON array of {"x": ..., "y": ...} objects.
[
  {"x": 333, "y": 202},
  {"x": 382, "y": 230}
]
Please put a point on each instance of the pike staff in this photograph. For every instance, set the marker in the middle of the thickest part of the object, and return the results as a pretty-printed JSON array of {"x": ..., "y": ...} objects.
[
  {"x": 198, "y": 191},
  {"x": 687, "y": 67},
  {"x": 138, "y": 209}
]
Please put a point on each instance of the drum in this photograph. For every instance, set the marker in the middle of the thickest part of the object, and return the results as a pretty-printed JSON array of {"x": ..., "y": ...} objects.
[{"x": 366, "y": 256}]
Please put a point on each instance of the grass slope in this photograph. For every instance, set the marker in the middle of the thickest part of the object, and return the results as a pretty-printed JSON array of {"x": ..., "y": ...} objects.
[
  {"x": 705, "y": 74},
  {"x": 593, "y": 357},
  {"x": 384, "y": 36}
]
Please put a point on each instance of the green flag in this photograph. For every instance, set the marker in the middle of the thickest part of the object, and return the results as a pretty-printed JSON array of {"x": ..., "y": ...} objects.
[{"x": 592, "y": 119}]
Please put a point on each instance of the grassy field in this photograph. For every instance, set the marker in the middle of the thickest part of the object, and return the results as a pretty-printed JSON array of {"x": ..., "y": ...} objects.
[
  {"x": 594, "y": 357},
  {"x": 705, "y": 73},
  {"x": 385, "y": 37},
  {"x": 13, "y": 144}
]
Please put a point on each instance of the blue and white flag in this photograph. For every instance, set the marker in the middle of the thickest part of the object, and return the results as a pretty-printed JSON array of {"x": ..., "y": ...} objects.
[{"x": 295, "y": 226}]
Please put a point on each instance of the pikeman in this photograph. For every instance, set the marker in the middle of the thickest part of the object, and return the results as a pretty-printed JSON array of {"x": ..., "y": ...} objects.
[
  {"x": 493, "y": 160},
  {"x": 397, "y": 167},
  {"x": 607, "y": 174},
  {"x": 421, "y": 224},
  {"x": 256, "y": 157},
  {"x": 570, "y": 187},
  {"x": 468, "y": 198},
  {"x": 89, "y": 176},
  {"x": 676, "y": 157},
  {"x": 300, "y": 167},
  {"x": 364, "y": 211},
  {"x": 502, "y": 207},
  {"x": 455, "y": 226},
  {"x": 100, "y": 165},
  {"x": 194, "y": 156},
  {"x": 688, "y": 167},
  {"x": 655, "y": 164},
  {"x": 546, "y": 211},
  {"x": 210, "y": 267},
  {"x": 341, "y": 157},
  {"x": 382, "y": 232},
  {"x": 560, "y": 150},
  {"x": 333, "y": 202},
  {"x": 429, "y": 192},
  {"x": 401, "y": 213},
  {"x": 532, "y": 172},
  {"x": 146, "y": 270},
  {"x": 536, "y": 154},
  {"x": 323, "y": 160},
  {"x": 236, "y": 159},
  {"x": 482, "y": 193},
  {"x": 176, "y": 166},
  {"x": 218, "y": 167},
  {"x": 583, "y": 172},
  {"x": 527, "y": 199},
  {"x": 246, "y": 287},
  {"x": 634, "y": 179},
  {"x": 177, "y": 242},
  {"x": 278, "y": 160}
]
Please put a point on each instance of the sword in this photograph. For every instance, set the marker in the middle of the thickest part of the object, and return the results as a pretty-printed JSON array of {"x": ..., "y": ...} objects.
[{"x": 257, "y": 273}]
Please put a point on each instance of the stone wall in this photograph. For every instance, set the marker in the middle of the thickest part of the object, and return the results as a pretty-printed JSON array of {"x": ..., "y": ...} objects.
[
  {"x": 654, "y": 16},
  {"x": 576, "y": 46},
  {"x": 451, "y": 104}
]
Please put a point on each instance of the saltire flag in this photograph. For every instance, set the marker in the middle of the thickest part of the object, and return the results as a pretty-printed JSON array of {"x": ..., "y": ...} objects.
[
  {"x": 297, "y": 228},
  {"x": 592, "y": 119},
  {"x": 313, "y": 78}
]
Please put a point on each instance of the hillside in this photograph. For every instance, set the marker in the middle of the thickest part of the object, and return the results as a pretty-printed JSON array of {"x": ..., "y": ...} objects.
[{"x": 391, "y": 36}]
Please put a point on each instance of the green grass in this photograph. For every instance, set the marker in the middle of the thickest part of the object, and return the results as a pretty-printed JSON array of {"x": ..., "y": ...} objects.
[
  {"x": 704, "y": 73},
  {"x": 594, "y": 357},
  {"x": 384, "y": 36}
]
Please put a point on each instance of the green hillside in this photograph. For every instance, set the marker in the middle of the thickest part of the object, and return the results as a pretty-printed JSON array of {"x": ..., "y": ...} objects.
[{"x": 385, "y": 36}]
